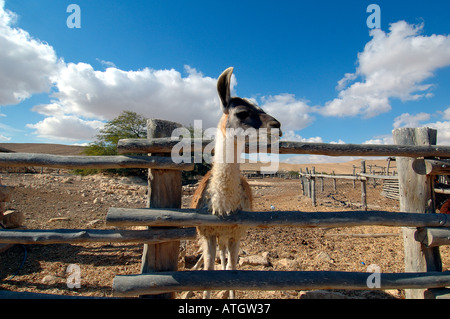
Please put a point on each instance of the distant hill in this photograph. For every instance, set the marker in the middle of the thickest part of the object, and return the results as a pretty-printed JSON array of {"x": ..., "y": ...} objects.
[{"x": 55, "y": 149}]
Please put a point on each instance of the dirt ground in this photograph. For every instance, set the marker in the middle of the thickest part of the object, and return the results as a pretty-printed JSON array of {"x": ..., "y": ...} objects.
[{"x": 60, "y": 200}]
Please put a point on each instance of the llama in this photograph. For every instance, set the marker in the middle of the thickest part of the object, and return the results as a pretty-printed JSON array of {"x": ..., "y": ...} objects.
[{"x": 223, "y": 190}]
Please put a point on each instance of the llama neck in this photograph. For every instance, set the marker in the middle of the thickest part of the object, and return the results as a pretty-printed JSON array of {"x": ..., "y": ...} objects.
[{"x": 227, "y": 156}]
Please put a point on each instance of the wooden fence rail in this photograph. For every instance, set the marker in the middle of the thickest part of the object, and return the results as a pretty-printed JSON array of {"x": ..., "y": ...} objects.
[
  {"x": 165, "y": 145},
  {"x": 99, "y": 162},
  {"x": 59, "y": 236},
  {"x": 162, "y": 282},
  {"x": 193, "y": 217}
]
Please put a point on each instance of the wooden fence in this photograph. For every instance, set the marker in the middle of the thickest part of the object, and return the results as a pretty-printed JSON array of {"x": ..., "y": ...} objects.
[
  {"x": 310, "y": 182},
  {"x": 423, "y": 229}
]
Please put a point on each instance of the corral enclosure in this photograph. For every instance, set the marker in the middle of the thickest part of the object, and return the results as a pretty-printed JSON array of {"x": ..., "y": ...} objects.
[{"x": 60, "y": 200}]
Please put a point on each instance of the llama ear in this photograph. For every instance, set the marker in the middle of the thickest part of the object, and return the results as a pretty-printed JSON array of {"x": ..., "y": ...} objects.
[{"x": 223, "y": 88}]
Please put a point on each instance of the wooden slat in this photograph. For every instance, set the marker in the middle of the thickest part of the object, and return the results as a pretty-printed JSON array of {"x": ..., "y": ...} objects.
[
  {"x": 162, "y": 282},
  {"x": 164, "y": 145},
  {"x": 98, "y": 162},
  {"x": 193, "y": 217},
  {"x": 58, "y": 236}
]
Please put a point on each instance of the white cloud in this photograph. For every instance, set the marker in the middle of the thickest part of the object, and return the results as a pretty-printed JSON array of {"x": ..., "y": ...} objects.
[
  {"x": 443, "y": 131},
  {"x": 381, "y": 140},
  {"x": 408, "y": 120},
  {"x": 292, "y": 113},
  {"x": 392, "y": 65},
  {"x": 83, "y": 91},
  {"x": 27, "y": 65},
  {"x": 66, "y": 128},
  {"x": 446, "y": 114},
  {"x": 294, "y": 137}
]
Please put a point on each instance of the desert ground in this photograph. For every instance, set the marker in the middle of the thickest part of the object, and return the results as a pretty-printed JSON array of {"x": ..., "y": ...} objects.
[{"x": 58, "y": 199}]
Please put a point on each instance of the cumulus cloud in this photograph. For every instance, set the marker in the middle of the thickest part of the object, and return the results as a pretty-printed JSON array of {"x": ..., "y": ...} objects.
[
  {"x": 27, "y": 65},
  {"x": 85, "y": 92},
  {"x": 392, "y": 65},
  {"x": 446, "y": 114},
  {"x": 294, "y": 114},
  {"x": 66, "y": 128},
  {"x": 293, "y": 136},
  {"x": 381, "y": 140},
  {"x": 443, "y": 131},
  {"x": 408, "y": 120}
]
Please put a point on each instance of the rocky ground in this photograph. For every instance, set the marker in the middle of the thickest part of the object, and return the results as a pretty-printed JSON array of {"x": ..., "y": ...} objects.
[{"x": 61, "y": 200}]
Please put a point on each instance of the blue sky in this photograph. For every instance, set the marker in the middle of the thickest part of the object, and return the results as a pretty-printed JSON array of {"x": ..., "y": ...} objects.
[{"x": 315, "y": 65}]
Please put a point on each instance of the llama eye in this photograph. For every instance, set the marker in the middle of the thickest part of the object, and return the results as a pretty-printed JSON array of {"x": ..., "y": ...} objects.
[{"x": 242, "y": 115}]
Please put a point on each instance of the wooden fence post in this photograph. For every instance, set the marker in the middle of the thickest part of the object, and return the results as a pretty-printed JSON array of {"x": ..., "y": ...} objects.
[
  {"x": 313, "y": 186},
  {"x": 334, "y": 182},
  {"x": 363, "y": 186},
  {"x": 307, "y": 183},
  {"x": 416, "y": 197},
  {"x": 164, "y": 191}
]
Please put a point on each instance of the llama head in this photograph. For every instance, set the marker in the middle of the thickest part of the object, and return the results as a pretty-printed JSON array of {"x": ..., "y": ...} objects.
[{"x": 241, "y": 115}]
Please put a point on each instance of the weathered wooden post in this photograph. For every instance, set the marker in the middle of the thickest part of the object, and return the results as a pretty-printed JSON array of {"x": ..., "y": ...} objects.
[
  {"x": 334, "y": 183},
  {"x": 354, "y": 174},
  {"x": 363, "y": 186},
  {"x": 313, "y": 186},
  {"x": 416, "y": 197},
  {"x": 307, "y": 183},
  {"x": 164, "y": 191}
]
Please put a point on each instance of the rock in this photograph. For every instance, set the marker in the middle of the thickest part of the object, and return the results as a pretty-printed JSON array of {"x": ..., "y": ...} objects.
[
  {"x": 255, "y": 260},
  {"x": 13, "y": 219},
  {"x": 68, "y": 180},
  {"x": 94, "y": 222},
  {"x": 325, "y": 257},
  {"x": 51, "y": 279},
  {"x": 287, "y": 263}
]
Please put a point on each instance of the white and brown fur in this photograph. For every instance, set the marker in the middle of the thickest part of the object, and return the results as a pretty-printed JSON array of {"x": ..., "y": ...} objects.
[{"x": 223, "y": 191}]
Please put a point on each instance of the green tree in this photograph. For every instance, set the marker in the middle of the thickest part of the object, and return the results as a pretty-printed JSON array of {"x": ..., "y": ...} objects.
[{"x": 127, "y": 125}]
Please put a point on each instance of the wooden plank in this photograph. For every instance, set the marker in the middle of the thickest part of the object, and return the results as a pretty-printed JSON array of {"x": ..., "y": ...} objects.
[
  {"x": 433, "y": 237},
  {"x": 99, "y": 162},
  {"x": 164, "y": 145},
  {"x": 59, "y": 236},
  {"x": 194, "y": 217},
  {"x": 431, "y": 167},
  {"x": 156, "y": 283},
  {"x": 416, "y": 197}
]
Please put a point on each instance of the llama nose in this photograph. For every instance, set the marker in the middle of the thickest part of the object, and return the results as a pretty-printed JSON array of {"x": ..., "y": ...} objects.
[{"x": 275, "y": 124}]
